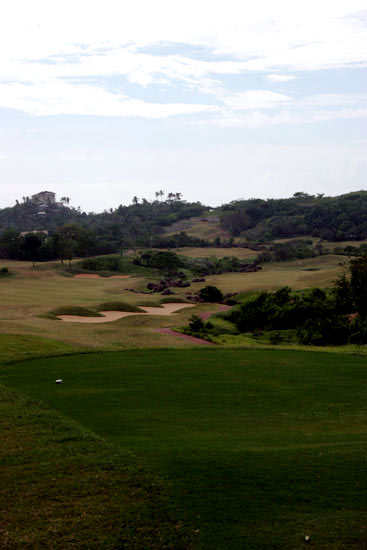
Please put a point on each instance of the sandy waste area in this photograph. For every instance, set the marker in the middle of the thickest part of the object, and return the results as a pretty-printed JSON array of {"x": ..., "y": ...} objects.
[{"x": 109, "y": 316}]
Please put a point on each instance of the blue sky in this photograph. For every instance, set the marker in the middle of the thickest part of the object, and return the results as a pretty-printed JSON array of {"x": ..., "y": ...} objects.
[{"x": 101, "y": 101}]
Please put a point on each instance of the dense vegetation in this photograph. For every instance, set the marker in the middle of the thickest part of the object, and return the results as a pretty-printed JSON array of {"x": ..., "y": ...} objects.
[
  {"x": 76, "y": 233},
  {"x": 329, "y": 218},
  {"x": 64, "y": 232},
  {"x": 171, "y": 262},
  {"x": 337, "y": 316}
]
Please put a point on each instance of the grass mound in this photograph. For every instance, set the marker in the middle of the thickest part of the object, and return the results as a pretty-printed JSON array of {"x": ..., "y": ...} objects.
[
  {"x": 64, "y": 487},
  {"x": 119, "y": 306},
  {"x": 74, "y": 310},
  {"x": 174, "y": 300},
  {"x": 15, "y": 347},
  {"x": 146, "y": 303}
]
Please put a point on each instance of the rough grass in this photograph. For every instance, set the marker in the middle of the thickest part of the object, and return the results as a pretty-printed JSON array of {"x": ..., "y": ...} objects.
[
  {"x": 119, "y": 306},
  {"x": 275, "y": 275},
  {"x": 247, "y": 341},
  {"x": 197, "y": 228},
  {"x": 16, "y": 347},
  {"x": 32, "y": 293},
  {"x": 173, "y": 300},
  {"x": 74, "y": 310},
  {"x": 257, "y": 449},
  {"x": 240, "y": 253},
  {"x": 127, "y": 267},
  {"x": 62, "y": 486}
]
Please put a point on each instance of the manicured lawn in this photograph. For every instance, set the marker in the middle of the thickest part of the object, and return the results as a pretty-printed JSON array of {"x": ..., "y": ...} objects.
[{"x": 256, "y": 448}]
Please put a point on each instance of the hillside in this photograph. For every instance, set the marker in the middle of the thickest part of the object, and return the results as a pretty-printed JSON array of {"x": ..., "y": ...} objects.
[
  {"x": 329, "y": 218},
  {"x": 174, "y": 222}
]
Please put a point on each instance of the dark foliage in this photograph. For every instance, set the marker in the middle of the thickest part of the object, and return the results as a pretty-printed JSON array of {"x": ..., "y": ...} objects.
[
  {"x": 211, "y": 294},
  {"x": 335, "y": 317},
  {"x": 74, "y": 232},
  {"x": 330, "y": 218}
]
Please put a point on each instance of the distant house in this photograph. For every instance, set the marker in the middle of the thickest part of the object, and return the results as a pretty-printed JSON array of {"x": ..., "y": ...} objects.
[
  {"x": 24, "y": 233},
  {"x": 44, "y": 198}
]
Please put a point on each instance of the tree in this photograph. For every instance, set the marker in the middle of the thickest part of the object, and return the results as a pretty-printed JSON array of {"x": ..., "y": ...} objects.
[
  {"x": 358, "y": 283},
  {"x": 10, "y": 244},
  {"x": 31, "y": 246},
  {"x": 196, "y": 324},
  {"x": 211, "y": 294}
]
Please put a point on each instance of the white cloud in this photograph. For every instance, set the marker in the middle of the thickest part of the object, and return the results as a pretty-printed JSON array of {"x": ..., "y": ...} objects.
[
  {"x": 255, "y": 99},
  {"x": 54, "y": 98},
  {"x": 49, "y": 51},
  {"x": 281, "y": 77}
]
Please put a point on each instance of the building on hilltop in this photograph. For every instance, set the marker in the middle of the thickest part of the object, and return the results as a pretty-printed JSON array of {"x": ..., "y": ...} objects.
[
  {"x": 34, "y": 232},
  {"x": 44, "y": 198}
]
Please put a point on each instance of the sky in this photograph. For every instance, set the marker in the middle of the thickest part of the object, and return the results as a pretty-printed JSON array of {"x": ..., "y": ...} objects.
[{"x": 101, "y": 101}]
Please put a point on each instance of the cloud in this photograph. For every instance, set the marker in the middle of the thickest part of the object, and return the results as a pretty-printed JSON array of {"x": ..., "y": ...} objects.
[
  {"x": 49, "y": 53},
  {"x": 281, "y": 77},
  {"x": 255, "y": 99},
  {"x": 55, "y": 98}
]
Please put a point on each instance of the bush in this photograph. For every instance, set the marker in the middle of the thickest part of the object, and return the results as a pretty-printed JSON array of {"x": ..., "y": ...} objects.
[
  {"x": 211, "y": 294},
  {"x": 196, "y": 324},
  {"x": 4, "y": 272}
]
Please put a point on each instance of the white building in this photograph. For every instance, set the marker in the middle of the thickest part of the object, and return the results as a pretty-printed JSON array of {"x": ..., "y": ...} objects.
[{"x": 44, "y": 197}]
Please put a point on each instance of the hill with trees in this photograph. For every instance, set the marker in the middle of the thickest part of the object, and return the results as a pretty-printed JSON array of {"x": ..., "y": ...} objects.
[
  {"x": 62, "y": 231},
  {"x": 341, "y": 218}
]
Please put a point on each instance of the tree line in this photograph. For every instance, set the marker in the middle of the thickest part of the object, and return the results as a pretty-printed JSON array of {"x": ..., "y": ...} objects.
[{"x": 341, "y": 218}]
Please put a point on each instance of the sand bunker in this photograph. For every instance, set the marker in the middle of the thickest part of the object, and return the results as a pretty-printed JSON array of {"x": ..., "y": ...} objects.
[
  {"x": 109, "y": 316},
  {"x": 95, "y": 276}
]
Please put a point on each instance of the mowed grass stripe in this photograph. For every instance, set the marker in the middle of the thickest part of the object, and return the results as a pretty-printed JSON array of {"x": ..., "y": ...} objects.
[
  {"x": 258, "y": 448},
  {"x": 61, "y": 486}
]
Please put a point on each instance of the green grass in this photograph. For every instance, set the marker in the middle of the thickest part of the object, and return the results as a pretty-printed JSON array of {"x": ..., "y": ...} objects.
[
  {"x": 256, "y": 449},
  {"x": 64, "y": 487}
]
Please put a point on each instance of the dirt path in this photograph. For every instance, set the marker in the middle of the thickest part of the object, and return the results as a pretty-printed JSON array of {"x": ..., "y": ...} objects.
[
  {"x": 193, "y": 339},
  {"x": 184, "y": 336},
  {"x": 205, "y": 316}
]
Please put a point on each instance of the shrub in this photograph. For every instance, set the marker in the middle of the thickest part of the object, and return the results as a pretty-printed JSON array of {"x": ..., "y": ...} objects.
[
  {"x": 211, "y": 294},
  {"x": 196, "y": 324}
]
